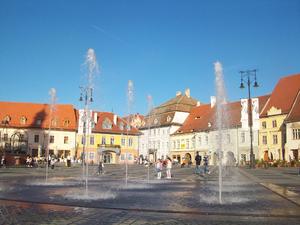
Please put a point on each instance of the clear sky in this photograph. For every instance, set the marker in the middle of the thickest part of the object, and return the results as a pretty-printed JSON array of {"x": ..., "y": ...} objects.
[{"x": 161, "y": 45}]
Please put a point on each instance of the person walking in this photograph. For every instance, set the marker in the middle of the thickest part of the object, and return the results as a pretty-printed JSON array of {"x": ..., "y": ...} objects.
[
  {"x": 168, "y": 168},
  {"x": 100, "y": 167},
  {"x": 198, "y": 159},
  {"x": 3, "y": 162},
  {"x": 205, "y": 160},
  {"x": 158, "y": 168}
]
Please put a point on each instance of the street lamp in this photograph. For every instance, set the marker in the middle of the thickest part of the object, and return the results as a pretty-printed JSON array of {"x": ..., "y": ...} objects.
[
  {"x": 249, "y": 76},
  {"x": 86, "y": 96}
]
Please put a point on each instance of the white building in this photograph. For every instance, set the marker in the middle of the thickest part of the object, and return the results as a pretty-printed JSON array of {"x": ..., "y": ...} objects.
[{"x": 161, "y": 122}]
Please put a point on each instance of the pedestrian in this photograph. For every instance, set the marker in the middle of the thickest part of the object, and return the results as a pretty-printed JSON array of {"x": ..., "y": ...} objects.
[
  {"x": 52, "y": 162},
  {"x": 100, "y": 167},
  {"x": 69, "y": 161},
  {"x": 168, "y": 168},
  {"x": 198, "y": 159},
  {"x": 205, "y": 160},
  {"x": 158, "y": 167},
  {"x": 3, "y": 162}
]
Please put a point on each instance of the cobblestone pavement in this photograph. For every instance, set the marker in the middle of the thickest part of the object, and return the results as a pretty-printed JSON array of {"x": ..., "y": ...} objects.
[{"x": 187, "y": 198}]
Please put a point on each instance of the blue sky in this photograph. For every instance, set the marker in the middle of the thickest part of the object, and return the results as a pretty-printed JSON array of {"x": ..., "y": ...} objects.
[{"x": 161, "y": 45}]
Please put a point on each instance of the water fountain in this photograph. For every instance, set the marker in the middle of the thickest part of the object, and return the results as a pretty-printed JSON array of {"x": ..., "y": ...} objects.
[
  {"x": 221, "y": 118},
  {"x": 92, "y": 69},
  {"x": 52, "y": 105},
  {"x": 150, "y": 107},
  {"x": 129, "y": 105}
]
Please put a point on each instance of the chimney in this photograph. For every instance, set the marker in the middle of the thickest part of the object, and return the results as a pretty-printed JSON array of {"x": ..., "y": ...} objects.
[
  {"x": 213, "y": 100},
  {"x": 178, "y": 93},
  {"x": 188, "y": 92},
  {"x": 198, "y": 103},
  {"x": 115, "y": 119}
]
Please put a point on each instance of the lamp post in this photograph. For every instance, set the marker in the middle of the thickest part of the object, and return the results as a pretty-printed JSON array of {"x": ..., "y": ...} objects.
[
  {"x": 86, "y": 96},
  {"x": 249, "y": 76}
]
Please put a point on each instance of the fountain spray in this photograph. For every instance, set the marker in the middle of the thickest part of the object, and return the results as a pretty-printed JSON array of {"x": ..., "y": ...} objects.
[
  {"x": 130, "y": 97},
  {"x": 92, "y": 69},
  {"x": 150, "y": 107},
  {"x": 52, "y": 108},
  {"x": 221, "y": 121}
]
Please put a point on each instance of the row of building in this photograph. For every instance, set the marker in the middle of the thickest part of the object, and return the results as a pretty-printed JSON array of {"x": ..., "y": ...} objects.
[{"x": 177, "y": 128}]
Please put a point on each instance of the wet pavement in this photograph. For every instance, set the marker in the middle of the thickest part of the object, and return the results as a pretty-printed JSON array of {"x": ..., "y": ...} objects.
[{"x": 259, "y": 196}]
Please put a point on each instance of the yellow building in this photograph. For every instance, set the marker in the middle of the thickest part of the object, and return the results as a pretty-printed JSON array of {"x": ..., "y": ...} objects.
[
  {"x": 110, "y": 140},
  {"x": 272, "y": 133}
]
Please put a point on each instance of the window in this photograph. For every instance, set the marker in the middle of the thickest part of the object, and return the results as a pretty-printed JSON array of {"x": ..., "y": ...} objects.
[
  {"x": 178, "y": 144},
  {"x": 296, "y": 134},
  {"x": 264, "y": 125},
  {"x": 51, "y": 139},
  {"x": 228, "y": 138},
  {"x": 103, "y": 141},
  {"x": 23, "y": 120},
  {"x": 130, "y": 142},
  {"x": 206, "y": 139},
  {"x": 112, "y": 140},
  {"x": 66, "y": 140},
  {"x": 243, "y": 138},
  {"x": 187, "y": 141},
  {"x": 264, "y": 140},
  {"x": 53, "y": 122},
  {"x": 66, "y": 123},
  {"x": 200, "y": 140},
  {"x": 36, "y": 138},
  {"x": 5, "y": 137},
  {"x": 158, "y": 144},
  {"x": 121, "y": 125},
  {"x": 106, "y": 124},
  {"x": 123, "y": 141},
  {"x": 38, "y": 122},
  {"x": 92, "y": 154},
  {"x": 83, "y": 140},
  {"x": 92, "y": 140},
  {"x": 274, "y": 123},
  {"x": 174, "y": 144},
  {"x": 193, "y": 142},
  {"x": 275, "y": 140}
]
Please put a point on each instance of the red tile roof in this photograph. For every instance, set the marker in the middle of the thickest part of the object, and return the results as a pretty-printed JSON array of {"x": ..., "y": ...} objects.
[
  {"x": 284, "y": 94},
  {"x": 102, "y": 116},
  {"x": 294, "y": 115},
  {"x": 203, "y": 117},
  {"x": 34, "y": 112}
]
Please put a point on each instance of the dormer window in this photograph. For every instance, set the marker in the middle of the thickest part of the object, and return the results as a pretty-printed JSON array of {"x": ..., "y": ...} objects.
[
  {"x": 23, "y": 120},
  {"x": 53, "y": 122},
  {"x": 38, "y": 122},
  {"x": 155, "y": 121},
  {"x": 209, "y": 124},
  {"x": 169, "y": 118},
  {"x": 66, "y": 123},
  {"x": 128, "y": 127},
  {"x": 106, "y": 124},
  {"x": 6, "y": 119},
  {"x": 121, "y": 125}
]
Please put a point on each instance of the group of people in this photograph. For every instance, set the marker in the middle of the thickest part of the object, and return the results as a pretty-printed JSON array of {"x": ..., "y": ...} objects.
[
  {"x": 198, "y": 160},
  {"x": 160, "y": 164}
]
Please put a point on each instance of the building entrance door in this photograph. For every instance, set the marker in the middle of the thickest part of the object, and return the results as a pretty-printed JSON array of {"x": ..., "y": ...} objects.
[{"x": 107, "y": 158}]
